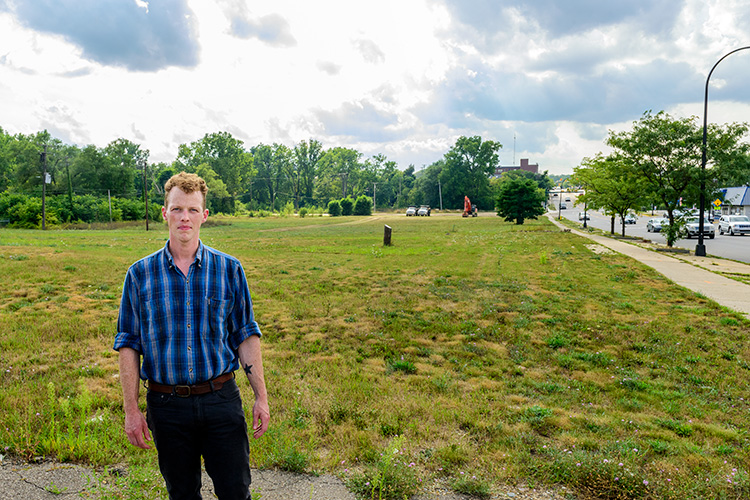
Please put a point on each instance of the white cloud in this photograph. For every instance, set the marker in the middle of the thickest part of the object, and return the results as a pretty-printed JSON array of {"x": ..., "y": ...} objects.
[{"x": 400, "y": 78}]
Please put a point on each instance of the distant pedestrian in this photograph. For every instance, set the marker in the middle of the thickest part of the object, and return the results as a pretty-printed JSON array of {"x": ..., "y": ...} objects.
[{"x": 186, "y": 310}]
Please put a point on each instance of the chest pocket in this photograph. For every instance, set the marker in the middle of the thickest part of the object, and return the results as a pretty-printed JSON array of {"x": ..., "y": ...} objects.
[{"x": 219, "y": 311}]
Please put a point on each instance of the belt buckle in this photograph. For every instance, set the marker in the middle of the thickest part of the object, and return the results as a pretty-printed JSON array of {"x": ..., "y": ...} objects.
[{"x": 186, "y": 394}]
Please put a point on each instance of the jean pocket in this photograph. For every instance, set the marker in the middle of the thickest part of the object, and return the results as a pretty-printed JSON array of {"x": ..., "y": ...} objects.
[
  {"x": 229, "y": 391},
  {"x": 158, "y": 399}
]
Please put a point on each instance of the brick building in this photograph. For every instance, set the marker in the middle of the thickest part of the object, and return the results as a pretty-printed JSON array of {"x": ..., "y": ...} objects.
[{"x": 525, "y": 165}]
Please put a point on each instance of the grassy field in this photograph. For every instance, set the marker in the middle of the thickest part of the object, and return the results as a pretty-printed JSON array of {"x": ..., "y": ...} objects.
[{"x": 472, "y": 352}]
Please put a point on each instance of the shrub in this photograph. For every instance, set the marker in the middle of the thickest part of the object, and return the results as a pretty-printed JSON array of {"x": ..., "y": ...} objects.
[
  {"x": 346, "y": 206},
  {"x": 363, "y": 206},
  {"x": 334, "y": 208},
  {"x": 287, "y": 209},
  {"x": 302, "y": 212}
]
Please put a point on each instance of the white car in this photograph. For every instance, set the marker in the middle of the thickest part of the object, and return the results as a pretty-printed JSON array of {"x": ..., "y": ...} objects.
[
  {"x": 411, "y": 211},
  {"x": 424, "y": 210},
  {"x": 655, "y": 225},
  {"x": 583, "y": 216},
  {"x": 734, "y": 224},
  {"x": 692, "y": 227},
  {"x": 630, "y": 219}
]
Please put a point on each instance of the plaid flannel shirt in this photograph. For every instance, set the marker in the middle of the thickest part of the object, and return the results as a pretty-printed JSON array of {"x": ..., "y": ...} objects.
[{"x": 187, "y": 328}]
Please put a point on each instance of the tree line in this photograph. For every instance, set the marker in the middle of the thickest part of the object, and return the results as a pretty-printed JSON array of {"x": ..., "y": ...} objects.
[
  {"x": 658, "y": 163},
  {"x": 82, "y": 182}
]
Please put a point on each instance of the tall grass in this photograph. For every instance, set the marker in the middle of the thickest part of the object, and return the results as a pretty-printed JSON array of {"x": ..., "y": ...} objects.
[{"x": 483, "y": 351}]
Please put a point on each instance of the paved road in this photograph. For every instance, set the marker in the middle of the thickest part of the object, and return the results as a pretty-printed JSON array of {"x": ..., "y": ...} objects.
[{"x": 727, "y": 247}]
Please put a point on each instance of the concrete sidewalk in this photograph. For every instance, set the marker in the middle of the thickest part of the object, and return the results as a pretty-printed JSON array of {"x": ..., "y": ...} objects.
[{"x": 703, "y": 275}]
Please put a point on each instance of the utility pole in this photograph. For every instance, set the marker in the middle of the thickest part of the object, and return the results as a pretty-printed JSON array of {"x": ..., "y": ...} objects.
[
  {"x": 44, "y": 188},
  {"x": 440, "y": 192},
  {"x": 374, "y": 191},
  {"x": 145, "y": 191}
]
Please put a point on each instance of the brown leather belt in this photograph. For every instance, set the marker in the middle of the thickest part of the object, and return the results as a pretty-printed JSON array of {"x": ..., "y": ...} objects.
[{"x": 185, "y": 391}]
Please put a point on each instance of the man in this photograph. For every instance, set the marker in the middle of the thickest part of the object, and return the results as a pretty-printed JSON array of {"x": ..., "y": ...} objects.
[{"x": 186, "y": 310}]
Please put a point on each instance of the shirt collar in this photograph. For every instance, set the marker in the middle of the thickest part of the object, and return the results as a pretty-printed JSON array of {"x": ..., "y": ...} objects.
[{"x": 198, "y": 254}]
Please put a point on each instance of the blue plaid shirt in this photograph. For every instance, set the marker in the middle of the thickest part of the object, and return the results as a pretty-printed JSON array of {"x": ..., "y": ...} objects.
[{"x": 187, "y": 328}]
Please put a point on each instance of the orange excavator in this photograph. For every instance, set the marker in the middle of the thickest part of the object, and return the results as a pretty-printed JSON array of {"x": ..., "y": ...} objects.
[{"x": 469, "y": 209}]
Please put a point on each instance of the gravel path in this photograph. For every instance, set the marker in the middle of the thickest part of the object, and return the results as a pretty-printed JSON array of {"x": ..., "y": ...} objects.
[{"x": 47, "y": 480}]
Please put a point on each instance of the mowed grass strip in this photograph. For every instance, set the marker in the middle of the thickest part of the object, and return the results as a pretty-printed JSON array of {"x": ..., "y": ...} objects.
[{"x": 472, "y": 352}]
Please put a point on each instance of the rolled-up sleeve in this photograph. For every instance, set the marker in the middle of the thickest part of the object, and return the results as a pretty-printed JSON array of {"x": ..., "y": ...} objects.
[
  {"x": 129, "y": 319},
  {"x": 242, "y": 322}
]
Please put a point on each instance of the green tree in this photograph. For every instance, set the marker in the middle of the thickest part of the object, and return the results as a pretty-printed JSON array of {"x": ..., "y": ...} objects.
[
  {"x": 519, "y": 199},
  {"x": 610, "y": 186},
  {"x": 93, "y": 171},
  {"x": 468, "y": 166},
  {"x": 224, "y": 154},
  {"x": 218, "y": 199},
  {"x": 25, "y": 161},
  {"x": 127, "y": 160},
  {"x": 542, "y": 179},
  {"x": 306, "y": 158},
  {"x": 339, "y": 170},
  {"x": 6, "y": 168},
  {"x": 427, "y": 188},
  {"x": 666, "y": 152},
  {"x": 272, "y": 164}
]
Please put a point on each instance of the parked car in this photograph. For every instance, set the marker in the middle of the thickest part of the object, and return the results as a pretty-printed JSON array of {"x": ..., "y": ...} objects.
[
  {"x": 655, "y": 225},
  {"x": 734, "y": 224},
  {"x": 692, "y": 226},
  {"x": 424, "y": 210},
  {"x": 583, "y": 216},
  {"x": 411, "y": 211},
  {"x": 630, "y": 219}
]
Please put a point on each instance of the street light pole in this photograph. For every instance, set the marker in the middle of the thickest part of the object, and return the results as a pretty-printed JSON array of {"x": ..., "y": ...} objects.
[
  {"x": 700, "y": 248},
  {"x": 585, "y": 213}
]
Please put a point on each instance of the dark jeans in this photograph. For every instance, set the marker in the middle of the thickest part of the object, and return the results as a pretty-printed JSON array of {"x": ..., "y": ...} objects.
[{"x": 210, "y": 425}]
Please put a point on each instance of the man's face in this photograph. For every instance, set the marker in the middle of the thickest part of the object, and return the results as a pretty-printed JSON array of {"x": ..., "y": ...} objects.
[{"x": 184, "y": 214}]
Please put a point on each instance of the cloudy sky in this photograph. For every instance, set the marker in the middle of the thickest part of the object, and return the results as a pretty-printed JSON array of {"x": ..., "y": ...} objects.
[{"x": 405, "y": 78}]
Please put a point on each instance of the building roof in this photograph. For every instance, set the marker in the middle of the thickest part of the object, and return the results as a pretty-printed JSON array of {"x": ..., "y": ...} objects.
[{"x": 737, "y": 196}]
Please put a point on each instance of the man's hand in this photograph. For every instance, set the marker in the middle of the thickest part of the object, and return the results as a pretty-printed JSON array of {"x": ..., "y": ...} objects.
[
  {"x": 261, "y": 417},
  {"x": 136, "y": 428}
]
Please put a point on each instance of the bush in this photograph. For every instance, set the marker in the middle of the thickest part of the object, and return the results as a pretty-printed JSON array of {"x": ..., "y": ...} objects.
[
  {"x": 27, "y": 214},
  {"x": 287, "y": 209},
  {"x": 302, "y": 212},
  {"x": 363, "y": 206},
  {"x": 334, "y": 208},
  {"x": 346, "y": 206}
]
